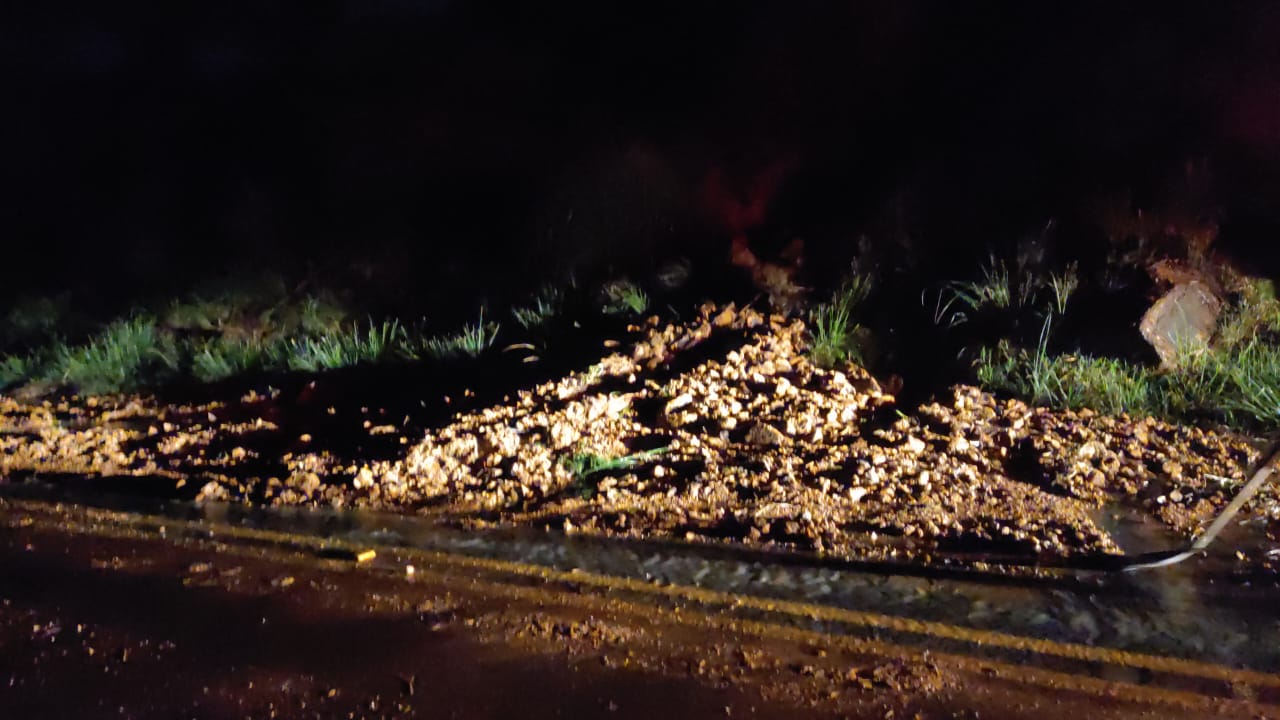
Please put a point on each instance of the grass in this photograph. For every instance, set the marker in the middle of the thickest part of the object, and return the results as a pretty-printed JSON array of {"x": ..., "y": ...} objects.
[
  {"x": 1238, "y": 384},
  {"x": 15, "y": 369},
  {"x": 245, "y": 324},
  {"x": 1103, "y": 384},
  {"x": 472, "y": 341},
  {"x": 222, "y": 358},
  {"x": 546, "y": 305},
  {"x": 835, "y": 339},
  {"x": 333, "y": 350},
  {"x": 1236, "y": 380},
  {"x": 125, "y": 356},
  {"x": 244, "y": 327},
  {"x": 1002, "y": 289},
  {"x": 213, "y": 340},
  {"x": 1064, "y": 285},
  {"x": 994, "y": 289},
  {"x": 623, "y": 297},
  {"x": 582, "y": 466}
]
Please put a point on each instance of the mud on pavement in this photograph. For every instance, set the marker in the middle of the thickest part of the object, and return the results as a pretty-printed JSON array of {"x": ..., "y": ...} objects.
[
  {"x": 715, "y": 430},
  {"x": 110, "y": 615}
]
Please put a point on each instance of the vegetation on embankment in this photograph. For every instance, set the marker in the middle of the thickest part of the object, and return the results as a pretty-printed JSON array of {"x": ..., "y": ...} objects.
[
  {"x": 1019, "y": 325},
  {"x": 263, "y": 328},
  {"x": 1007, "y": 328}
]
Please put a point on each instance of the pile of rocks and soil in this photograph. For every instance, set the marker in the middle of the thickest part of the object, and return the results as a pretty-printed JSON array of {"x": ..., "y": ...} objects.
[{"x": 717, "y": 429}]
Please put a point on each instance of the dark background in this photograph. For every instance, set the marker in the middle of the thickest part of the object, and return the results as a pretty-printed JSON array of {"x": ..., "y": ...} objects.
[{"x": 451, "y": 144}]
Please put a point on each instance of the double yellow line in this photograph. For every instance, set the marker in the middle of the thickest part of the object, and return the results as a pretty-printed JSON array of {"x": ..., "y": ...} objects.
[{"x": 110, "y": 523}]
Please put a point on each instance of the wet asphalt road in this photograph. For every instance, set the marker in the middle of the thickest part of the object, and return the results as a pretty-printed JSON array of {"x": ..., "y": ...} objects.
[{"x": 116, "y": 615}]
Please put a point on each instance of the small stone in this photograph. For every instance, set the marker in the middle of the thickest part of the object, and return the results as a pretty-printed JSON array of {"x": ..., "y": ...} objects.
[
  {"x": 725, "y": 318},
  {"x": 680, "y": 401},
  {"x": 765, "y": 435}
]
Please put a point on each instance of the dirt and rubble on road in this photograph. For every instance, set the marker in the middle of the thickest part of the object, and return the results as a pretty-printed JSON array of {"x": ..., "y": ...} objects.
[
  {"x": 718, "y": 429},
  {"x": 106, "y": 615}
]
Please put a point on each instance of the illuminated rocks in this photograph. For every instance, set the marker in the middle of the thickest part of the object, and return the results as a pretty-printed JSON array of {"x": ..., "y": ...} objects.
[
  {"x": 716, "y": 430},
  {"x": 1180, "y": 324}
]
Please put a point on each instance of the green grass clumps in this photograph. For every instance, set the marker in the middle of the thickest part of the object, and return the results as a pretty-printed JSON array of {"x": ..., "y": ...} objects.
[
  {"x": 546, "y": 306},
  {"x": 995, "y": 289},
  {"x": 835, "y": 339},
  {"x": 1069, "y": 381},
  {"x": 209, "y": 342},
  {"x": 126, "y": 355},
  {"x": 222, "y": 358},
  {"x": 15, "y": 369},
  {"x": 333, "y": 350},
  {"x": 253, "y": 323},
  {"x": 1001, "y": 289},
  {"x": 584, "y": 465},
  {"x": 1063, "y": 285},
  {"x": 1253, "y": 381},
  {"x": 624, "y": 297},
  {"x": 223, "y": 332},
  {"x": 472, "y": 341},
  {"x": 1235, "y": 382}
]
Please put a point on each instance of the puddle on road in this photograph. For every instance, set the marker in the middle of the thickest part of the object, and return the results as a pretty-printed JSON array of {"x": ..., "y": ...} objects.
[{"x": 1197, "y": 610}]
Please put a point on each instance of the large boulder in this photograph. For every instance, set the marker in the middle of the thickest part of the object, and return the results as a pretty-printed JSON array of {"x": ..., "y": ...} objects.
[{"x": 1181, "y": 323}]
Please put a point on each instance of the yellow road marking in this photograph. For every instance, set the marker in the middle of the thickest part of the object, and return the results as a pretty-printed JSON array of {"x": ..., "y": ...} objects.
[{"x": 702, "y": 596}]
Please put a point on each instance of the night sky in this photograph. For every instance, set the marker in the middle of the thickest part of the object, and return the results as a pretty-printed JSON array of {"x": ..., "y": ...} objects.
[{"x": 146, "y": 143}]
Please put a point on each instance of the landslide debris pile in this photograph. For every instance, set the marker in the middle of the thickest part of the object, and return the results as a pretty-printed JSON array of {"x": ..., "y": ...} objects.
[
  {"x": 717, "y": 429},
  {"x": 721, "y": 429}
]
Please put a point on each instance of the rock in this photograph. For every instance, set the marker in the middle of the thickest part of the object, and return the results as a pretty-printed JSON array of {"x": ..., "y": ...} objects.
[
  {"x": 680, "y": 401},
  {"x": 725, "y": 318},
  {"x": 1181, "y": 322},
  {"x": 363, "y": 479},
  {"x": 765, "y": 435}
]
